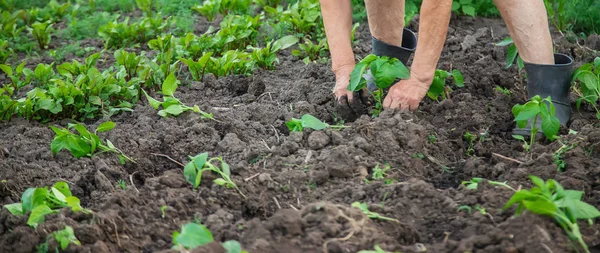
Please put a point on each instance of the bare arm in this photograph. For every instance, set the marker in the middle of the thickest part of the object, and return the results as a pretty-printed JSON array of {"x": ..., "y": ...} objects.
[
  {"x": 337, "y": 18},
  {"x": 433, "y": 26}
]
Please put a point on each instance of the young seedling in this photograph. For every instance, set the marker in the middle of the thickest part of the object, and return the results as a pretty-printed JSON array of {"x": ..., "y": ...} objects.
[
  {"x": 470, "y": 139},
  {"x": 551, "y": 199},
  {"x": 84, "y": 143},
  {"x": 557, "y": 156},
  {"x": 385, "y": 71},
  {"x": 310, "y": 52},
  {"x": 438, "y": 86},
  {"x": 200, "y": 163},
  {"x": 171, "y": 105},
  {"x": 41, "y": 201},
  {"x": 122, "y": 184},
  {"x": 588, "y": 76},
  {"x": 162, "y": 211},
  {"x": 431, "y": 138},
  {"x": 309, "y": 121},
  {"x": 65, "y": 237},
  {"x": 372, "y": 215},
  {"x": 536, "y": 108},
  {"x": 503, "y": 90},
  {"x": 194, "y": 235}
]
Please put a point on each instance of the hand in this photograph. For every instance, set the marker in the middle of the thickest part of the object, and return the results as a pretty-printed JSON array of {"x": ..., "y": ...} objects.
[
  {"x": 349, "y": 105},
  {"x": 406, "y": 94}
]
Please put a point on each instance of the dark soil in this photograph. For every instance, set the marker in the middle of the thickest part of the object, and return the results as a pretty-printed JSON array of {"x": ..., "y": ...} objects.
[{"x": 300, "y": 186}]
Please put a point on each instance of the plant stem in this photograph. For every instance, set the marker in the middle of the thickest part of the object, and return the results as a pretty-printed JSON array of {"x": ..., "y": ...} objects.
[{"x": 533, "y": 132}]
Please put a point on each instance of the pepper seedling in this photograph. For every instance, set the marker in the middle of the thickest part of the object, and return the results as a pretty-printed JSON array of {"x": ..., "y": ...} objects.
[
  {"x": 551, "y": 199},
  {"x": 84, "y": 143},
  {"x": 41, "y": 201},
  {"x": 200, "y": 163},
  {"x": 438, "y": 86},
  {"x": 385, "y": 71},
  {"x": 171, "y": 105},
  {"x": 309, "y": 121},
  {"x": 536, "y": 108}
]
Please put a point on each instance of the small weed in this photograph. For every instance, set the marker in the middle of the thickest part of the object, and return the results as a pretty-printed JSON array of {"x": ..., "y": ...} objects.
[
  {"x": 465, "y": 208},
  {"x": 194, "y": 235},
  {"x": 470, "y": 139},
  {"x": 372, "y": 215},
  {"x": 419, "y": 156},
  {"x": 473, "y": 184},
  {"x": 557, "y": 156},
  {"x": 122, "y": 184},
  {"x": 503, "y": 90},
  {"x": 465, "y": 7},
  {"x": 432, "y": 138},
  {"x": 162, "y": 211}
]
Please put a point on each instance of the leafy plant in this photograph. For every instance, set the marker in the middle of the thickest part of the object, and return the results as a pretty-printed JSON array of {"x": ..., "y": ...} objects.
[
  {"x": 385, "y": 71},
  {"x": 171, "y": 105},
  {"x": 41, "y": 201},
  {"x": 305, "y": 18},
  {"x": 129, "y": 61},
  {"x": 372, "y": 215},
  {"x": 512, "y": 53},
  {"x": 194, "y": 235},
  {"x": 526, "y": 145},
  {"x": 588, "y": 76},
  {"x": 535, "y": 108},
  {"x": 5, "y": 52},
  {"x": 551, "y": 199},
  {"x": 9, "y": 29},
  {"x": 198, "y": 68},
  {"x": 557, "y": 156},
  {"x": 162, "y": 211},
  {"x": 309, "y": 121},
  {"x": 464, "y": 6},
  {"x": 266, "y": 57},
  {"x": 438, "y": 86},
  {"x": 84, "y": 143},
  {"x": 42, "y": 33},
  {"x": 146, "y": 6},
  {"x": 211, "y": 8},
  {"x": 41, "y": 75},
  {"x": 200, "y": 163},
  {"x": 122, "y": 184},
  {"x": 16, "y": 78},
  {"x": 123, "y": 34},
  {"x": 310, "y": 52}
]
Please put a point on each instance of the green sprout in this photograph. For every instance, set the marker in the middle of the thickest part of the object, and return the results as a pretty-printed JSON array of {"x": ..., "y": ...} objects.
[
  {"x": 200, "y": 163},
  {"x": 372, "y": 215},
  {"x": 309, "y": 121}
]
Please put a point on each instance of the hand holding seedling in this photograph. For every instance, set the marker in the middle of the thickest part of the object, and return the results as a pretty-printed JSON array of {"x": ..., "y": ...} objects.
[{"x": 406, "y": 94}]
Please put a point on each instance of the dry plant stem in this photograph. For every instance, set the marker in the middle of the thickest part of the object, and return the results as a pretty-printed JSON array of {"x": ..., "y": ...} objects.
[
  {"x": 131, "y": 181},
  {"x": 507, "y": 158},
  {"x": 168, "y": 157},
  {"x": 354, "y": 227},
  {"x": 251, "y": 177}
]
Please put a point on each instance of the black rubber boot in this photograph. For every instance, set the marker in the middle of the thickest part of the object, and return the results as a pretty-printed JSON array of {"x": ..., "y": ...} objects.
[
  {"x": 550, "y": 80},
  {"x": 403, "y": 53}
]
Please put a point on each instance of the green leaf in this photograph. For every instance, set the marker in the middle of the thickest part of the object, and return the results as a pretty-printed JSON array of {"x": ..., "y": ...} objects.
[
  {"x": 38, "y": 214},
  {"x": 459, "y": 80},
  {"x": 7, "y": 69},
  {"x": 541, "y": 206},
  {"x": 194, "y": 235},
  {"x": 401, "y": 70},
  {"x": 39, "y": 197},
  {"x": 190, "y": 172},
  {"x": 106, "y": 126},
  {"x": 596, "y": 66},
  {"x": 312, "y": 122},
  {"x": 519, "y": 197},
  {"x": 15, "y": 208},
  {"x": 455, "y": 6},
  {"x": 538, "y": 181},
  {"x": 528, "y": 111},
  {"x": 463, "y": 2},
  {"x": 383, "y": 72},
  {"x": 572, "y": 194},
  {"x": 550, "y": 127},
  {"x": 169, "y": 85},
  {"x": 220, "y": 181},
  {"x": 153, "y": 102},
  {"x": 63, "y": 187},
  {"x": 511, "y": 55},
  {"x": 518, "y": 137},
  {"x": 582, "y": 210},
  {"x": 27, "y": 199},
  {"x": 294, "y": 125},
  {"x": 469, "y": 10},
  {"x": 174, "y": 110},
  {"x": 61, "y": 197},
  {"x": 74, "y": 203},
  {"x": 285, "y": 42},
  {"x": 505, "y": 42},
  {"x": 589, "y": 80},
  {"x": 355, "y": 77},
  {"x": 225, "y": 168},
  {"x": 232, "y": 246}
]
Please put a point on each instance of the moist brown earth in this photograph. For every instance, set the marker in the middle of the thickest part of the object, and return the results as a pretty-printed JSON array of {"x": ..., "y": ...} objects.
[{"x": 300, "y": 186}]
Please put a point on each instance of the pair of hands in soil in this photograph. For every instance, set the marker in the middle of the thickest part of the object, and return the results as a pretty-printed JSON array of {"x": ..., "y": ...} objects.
[{"x": 404, "y": 95}]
